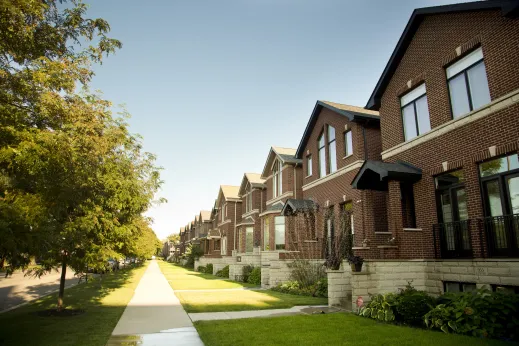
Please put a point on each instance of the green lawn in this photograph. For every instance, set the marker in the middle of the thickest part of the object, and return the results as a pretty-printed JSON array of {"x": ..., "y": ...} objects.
[
  {"x": 184, "y": 279},
  {"x": 243, "y": 300},
  {"x": 331, "y": 329},
  {"x": 103, "y": 300}
]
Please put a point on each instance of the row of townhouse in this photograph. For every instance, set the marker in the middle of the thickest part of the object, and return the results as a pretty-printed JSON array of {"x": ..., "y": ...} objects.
[{"x": 424, "y": 178}]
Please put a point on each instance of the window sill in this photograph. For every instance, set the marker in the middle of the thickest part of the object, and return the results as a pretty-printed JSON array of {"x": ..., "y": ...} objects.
[
  {"x": 308, "y": 176},
  {"x": 309, "y": 241},
  {"x": 389, "y": 233},
  {"x": 387, "y": 247},
  {"x": 360, "y": 248},
  {"x": 412, "y": 229},
  {"x": 345, "y": 157}
]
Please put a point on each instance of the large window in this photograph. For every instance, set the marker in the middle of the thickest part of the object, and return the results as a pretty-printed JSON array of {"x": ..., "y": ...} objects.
[
  {"x": 348, "y": 210},
  {"x": 329, "y": 237},
  {"x": 453, "y": 215},
  {"x": 217, "y": 244},
  {"x": 415, "y": 113},
  {"x": 277, "y": 179},
  {"x": 332, "y": 149},
  {"x": 348, "y": 144},
  {"x": 266, "y": 235},
  {"x": 248, "y": 199},
  {"x": 223, "y": 212},
  {"x": 309, "y": 165},
  {"x": 279, "y": 227},
  {"x": 408, "y": 209},
  {"x": 500, "y": 181},
  {"x": 249, "y": 241},
  {"x": 223, "y": 250},
  {"x": 468, "y": 85},
  {"x": 322, "y": 155}
]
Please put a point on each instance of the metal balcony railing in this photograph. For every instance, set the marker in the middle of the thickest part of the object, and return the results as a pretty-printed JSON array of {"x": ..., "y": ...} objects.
[
  {"x": 502, "y": 233},
  {"x": 453, "y": 240}
]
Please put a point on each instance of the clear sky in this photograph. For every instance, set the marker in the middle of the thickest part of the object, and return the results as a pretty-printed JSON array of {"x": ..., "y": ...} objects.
[{"x": 211, "y": 85}]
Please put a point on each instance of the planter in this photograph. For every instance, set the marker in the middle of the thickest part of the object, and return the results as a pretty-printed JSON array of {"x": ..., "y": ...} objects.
[{"x": 357, "y": 267}]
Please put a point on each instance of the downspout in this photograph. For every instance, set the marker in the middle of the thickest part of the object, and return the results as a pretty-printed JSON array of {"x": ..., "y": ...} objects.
[{"x": 235, "y": 203}]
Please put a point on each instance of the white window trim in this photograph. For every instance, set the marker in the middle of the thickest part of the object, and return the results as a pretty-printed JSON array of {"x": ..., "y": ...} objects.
[
  {"x": 464, "y": 62},
  {"x": 412, "y": 95}
]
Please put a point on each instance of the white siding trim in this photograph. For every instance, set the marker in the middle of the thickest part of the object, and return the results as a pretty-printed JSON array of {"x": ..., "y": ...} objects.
[{"x": 341, "y": 171}]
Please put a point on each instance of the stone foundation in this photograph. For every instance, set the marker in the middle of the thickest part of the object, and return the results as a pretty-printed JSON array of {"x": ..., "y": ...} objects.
[{"x": 339, "y": 287}]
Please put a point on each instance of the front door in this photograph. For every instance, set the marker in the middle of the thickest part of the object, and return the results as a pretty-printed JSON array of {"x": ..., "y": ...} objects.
[{"x": 500, "y": 180}]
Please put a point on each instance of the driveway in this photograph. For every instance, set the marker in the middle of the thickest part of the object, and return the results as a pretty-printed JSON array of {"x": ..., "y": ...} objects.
[{"x": 18, "y": 289}]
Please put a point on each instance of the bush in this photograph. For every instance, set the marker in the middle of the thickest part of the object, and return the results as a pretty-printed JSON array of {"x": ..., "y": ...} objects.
[
  {"x": 223, "y": 273},
  {"x": 319, "y": 289},
  {"x": 192, "y": 252},
  {"x": 255, "y": 276},
  {"x": 380, "y": 307},
  {"x": 411, "y": 306},
  {"x": 481, "y": 314},
  {"x": 200, "y": 269},
  {"x": 209, "y": 269},
  {"x": 246, "y": 271},
  {"x": 305, "y": 273}
]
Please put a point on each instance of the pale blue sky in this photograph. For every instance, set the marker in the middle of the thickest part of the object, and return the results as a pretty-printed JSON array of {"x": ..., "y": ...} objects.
[{"x": 211, "y": 85}]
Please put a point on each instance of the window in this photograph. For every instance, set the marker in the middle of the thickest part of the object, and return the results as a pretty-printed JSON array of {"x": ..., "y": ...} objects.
[
  {"x": 329, "y": 237},
  {"x": 279, "y": 228},
  {"x": 332, "y": 150},
  {"x": 415, "y": 113},
  {"x": 249, "y": 241},
  {"x": 500, "y": 181},
  {"x": 468, "y": 85},
  {"x": 348, "y": 144},
  {"x": 309, "y": 165},
  {"x": 407, "y": 200},
  {"x": 505, "y": 289},
  {"x": 223, "y": 249},
  {"x": 322, "y": 156},
  {"x": 217, "y": 244},
  {"x": 277, "y": 179},
  {"x": 449, "y": 286},
  {"x": 223, "y": 212},
  {"x": 348, "y": 209},
  {"x": 266, "y": 235},
  {"x": 240, "y": 231},
  {"x": 248, "y": 199},
  {"x": 453, "y": 214}
]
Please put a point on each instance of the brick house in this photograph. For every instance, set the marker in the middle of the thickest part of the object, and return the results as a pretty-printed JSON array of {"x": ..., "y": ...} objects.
[
  {"x": 253, "y": 195},
  {"x": 182, "y": 241},
  {"x": 337, "y": 140},
  {"x": 202, "y": 229},
  {"x": 229, "y": 213},
  {"x": 449, "y": 115},
  {"x": 283, "y": 176}
]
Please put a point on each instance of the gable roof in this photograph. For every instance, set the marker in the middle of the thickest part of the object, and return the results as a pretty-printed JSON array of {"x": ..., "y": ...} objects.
[
  {"x": 353, "y": 113},
  {"x": 285, "y": 155},
  {"x": 254, "y": 179},
  {"x": 228, "y": 192},
  {"x": 509, "y": 8},
  {"x": 205, "y": 215}
]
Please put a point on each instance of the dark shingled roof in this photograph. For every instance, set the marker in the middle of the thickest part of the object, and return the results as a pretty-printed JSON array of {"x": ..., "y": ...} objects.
[
  {"x": 509, "y": 8},
  {"x": 374, "y": 175},
  {"x": 293, "y": 206}
]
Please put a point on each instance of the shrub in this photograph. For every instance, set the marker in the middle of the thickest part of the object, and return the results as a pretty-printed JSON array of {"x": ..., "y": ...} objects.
[
  {"x": 200, "y": 269},
  {"x": 481, "y": 314},
  {"x": 209, "y": 268},
  {"x": 306, "y": 274},
  {"x": 320, "y": 289},
  {"x": 411, "y": 307},
  {"x": 246, "y": 271},
  {"x": 223, "y": 273},
  {"x": 380, "y": 307},
  {"x": 255, "y": 276},
  {"x": 192, "y": 252}
]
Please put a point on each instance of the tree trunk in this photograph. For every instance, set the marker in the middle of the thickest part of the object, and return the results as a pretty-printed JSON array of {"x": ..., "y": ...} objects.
[{"x": 62, "y": 282}]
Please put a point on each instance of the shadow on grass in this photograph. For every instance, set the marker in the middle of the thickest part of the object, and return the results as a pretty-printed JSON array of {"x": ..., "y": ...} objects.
[{"x": 24, "y": 326}]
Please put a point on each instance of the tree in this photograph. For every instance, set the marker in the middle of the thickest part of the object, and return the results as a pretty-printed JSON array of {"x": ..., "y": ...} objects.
[
  {"x": 174, "y": 237},
  {"x": 84, "y": 176}
]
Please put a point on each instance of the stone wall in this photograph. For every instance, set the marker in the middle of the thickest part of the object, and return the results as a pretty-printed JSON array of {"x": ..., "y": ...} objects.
[
  {"x": 339, "y": 287},
  {"x": 218, "y": 263}
]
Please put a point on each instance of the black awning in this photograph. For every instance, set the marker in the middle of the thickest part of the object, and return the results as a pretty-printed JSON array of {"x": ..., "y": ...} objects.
[
  {"x": 294, "y": 206},
  {"x": 374, "y": 175}
]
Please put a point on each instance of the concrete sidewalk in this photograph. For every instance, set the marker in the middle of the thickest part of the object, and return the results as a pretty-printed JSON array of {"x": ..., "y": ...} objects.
[
  {"x": 231, "y": 315},
  {"x": 154, "y": 316}
]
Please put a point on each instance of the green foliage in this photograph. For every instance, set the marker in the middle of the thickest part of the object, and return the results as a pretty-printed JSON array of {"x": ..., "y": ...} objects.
[
  {"x": 482, "y": 314},
  {"x": 201, "y": 269},
  {"x": 319, "y": 289},
  {"x": 311, "y": 278},
  {"x": 380, "y": 307},
  {"x": 412, "y": 305},
  {"x": 246, "y": 271},
  {"x": 223, "y": 273},
  {"x": 209, "y": 269},
  {"x": 255, "y": 276},
  {"x": 192, "y": 253}
]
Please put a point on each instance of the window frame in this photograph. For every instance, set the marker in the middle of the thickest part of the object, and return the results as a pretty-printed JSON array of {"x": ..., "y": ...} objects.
[
  {"x": 346, "y": 147},
  {"x": 466, "y": 78},
  {"x": 277, "y": 179},
  {"x": 309, "y": 165},
  {"x": 413, "y": 102},
  {"x": 329, "y": 144},
  {"x": 281, "y": 246},
  {"x": 319, "y": 161},
  {"x": 460, "y": 283}
]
